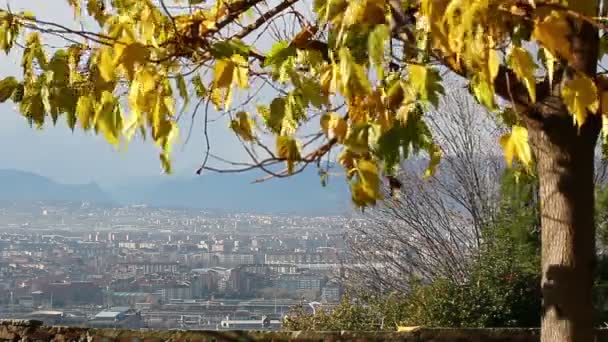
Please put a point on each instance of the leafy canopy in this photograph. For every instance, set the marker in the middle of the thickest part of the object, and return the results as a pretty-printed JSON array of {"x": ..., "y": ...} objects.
[{"x": 364, "y": 71}]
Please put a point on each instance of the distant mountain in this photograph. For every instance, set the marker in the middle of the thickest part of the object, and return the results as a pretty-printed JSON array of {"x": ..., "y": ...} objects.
[
  {"x": 21, "y": 186},
  {"x": 301, "y": 193}
]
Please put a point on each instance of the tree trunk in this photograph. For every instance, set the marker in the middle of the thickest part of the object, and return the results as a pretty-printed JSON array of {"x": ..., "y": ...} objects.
[{"x": 565, "y": 166}]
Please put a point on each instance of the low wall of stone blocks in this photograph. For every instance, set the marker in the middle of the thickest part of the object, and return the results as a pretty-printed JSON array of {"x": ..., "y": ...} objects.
[{"x": 34, "y": 331}]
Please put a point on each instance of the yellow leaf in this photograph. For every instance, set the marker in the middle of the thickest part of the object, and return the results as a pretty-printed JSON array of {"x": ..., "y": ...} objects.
[
  {"x": 223, "y": 73},
  {"x": 75, "y": 4},
  {"x": 366, "y": 190},
  {"x": 368, "y": 172},
  {"x": 326, "y": 80},
  {"x": 524, "y": 67},
  {"x": 493, "y": 64},
  {"x": 435, "y": 155},
  {"x": 288, "y": 149},
  {"x": 336, "y": 127},
  {"x": 579, "y": 95},
  {"x": 426, "y": 83},
  {"x": 108, "y": 118},
  {"x": 85, "y": 111},
  {"x": 133, "y": 56},
  {"x": 241, "y": 71},
  {"x": 550, "y": 62},
  {"x": 241, "y": 125},
  {"x": 95, "y": 8},
  {"x": 164, "y": 133},
  {"x": 552, "y": 32},
  {"x": 515, "y": 145},
  {"x": 165, "y": 162},
  {"x": 7, "y": 87},
  {"x": 106, "y": 64},
  {"x": 408, "y": 329}
]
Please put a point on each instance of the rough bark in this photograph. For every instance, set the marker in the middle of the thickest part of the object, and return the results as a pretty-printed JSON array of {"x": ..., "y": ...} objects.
[{"x": 565, "y": 166}]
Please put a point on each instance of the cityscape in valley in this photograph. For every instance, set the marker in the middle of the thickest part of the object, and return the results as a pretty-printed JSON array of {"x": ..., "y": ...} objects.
[{"x": 138, "y": 267}]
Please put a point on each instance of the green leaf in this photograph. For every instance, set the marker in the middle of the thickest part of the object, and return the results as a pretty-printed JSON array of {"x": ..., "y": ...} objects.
[
  {"x": 353, "y": 77},
  {"x": 357, "y": 139},
  {"x": 33, "y": 52},
  {"x": 181, "y": 86},
  {"x": 294, "y": 113},
  {"x": 228, "y": 48},
  {"x": 199, "y": 87},
  {"x": 279, "y": 53},
  {"x": 310, "y": 90},
  {"x": 426, "y": 83},
  {"x": 60, "y": 68},
  {"x": 273, "y": 118},
  {"x": 376, "y": 44},
  {"x": 32, "y": 108},
  {"x": 483, "y": 91}
]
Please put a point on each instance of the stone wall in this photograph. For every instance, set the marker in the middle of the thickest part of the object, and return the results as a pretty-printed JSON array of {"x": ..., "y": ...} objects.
[{"x": 33, "y": 331}]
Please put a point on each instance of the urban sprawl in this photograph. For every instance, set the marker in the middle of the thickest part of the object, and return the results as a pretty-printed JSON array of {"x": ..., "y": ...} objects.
[{"x": 146, "y": 268}]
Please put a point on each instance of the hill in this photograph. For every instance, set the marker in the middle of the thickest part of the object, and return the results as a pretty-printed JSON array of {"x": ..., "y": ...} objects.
[
  {"x": 21, "y": 186},
  {"x": 302, "y": 194}
]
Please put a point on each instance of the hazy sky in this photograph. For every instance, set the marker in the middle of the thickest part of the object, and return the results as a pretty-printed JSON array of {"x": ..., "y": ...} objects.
[{"x": 79, "y": 157}]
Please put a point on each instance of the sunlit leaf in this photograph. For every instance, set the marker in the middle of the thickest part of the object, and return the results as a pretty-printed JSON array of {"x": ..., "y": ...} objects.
[
  {"x": 376, "y": 45},
  {"x": 366, "y": 189},
  {"x": 133, "y": 56},
  {"x": 241, "y": 71},
  {"x": 108, "y": 118},
  {"x": 223, "y": 73},
  {"x": 483, "y": 91},
  {"x": 334, "y": 126},
  {"x": 552, "y": 31},
  {"x": 288, "y": 149},
  {"x": 242, "y": 126},
  {"x": 426, "y": 82},
  {"x": 106, "y": 64},
  {"x": 580, "y": 95},
  {"x": 85, "y": 111},
  {"x": 520, "y": 61},
  {"x": 279, "y": 53},
  {"x": 515, "y": 145}
]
